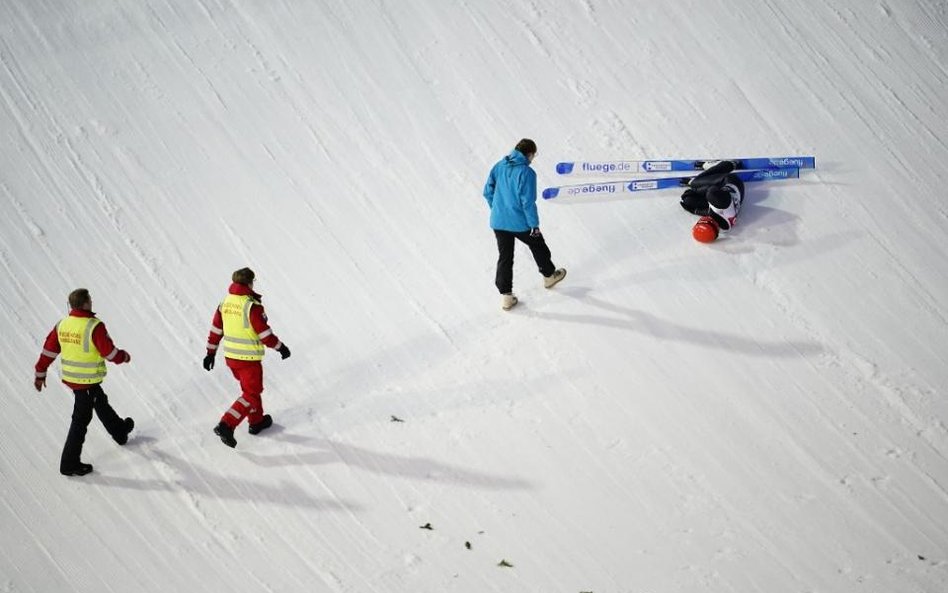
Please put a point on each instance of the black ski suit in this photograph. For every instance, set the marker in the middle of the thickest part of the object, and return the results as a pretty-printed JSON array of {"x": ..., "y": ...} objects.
[{"x": 715, "y": 193}]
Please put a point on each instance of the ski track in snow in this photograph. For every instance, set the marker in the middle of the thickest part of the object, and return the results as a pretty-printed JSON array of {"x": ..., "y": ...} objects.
[{"x": 617, "y": 433}]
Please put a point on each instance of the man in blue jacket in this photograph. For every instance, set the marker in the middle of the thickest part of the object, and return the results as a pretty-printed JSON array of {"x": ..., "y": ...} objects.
[{"x": 511, "y": 192}]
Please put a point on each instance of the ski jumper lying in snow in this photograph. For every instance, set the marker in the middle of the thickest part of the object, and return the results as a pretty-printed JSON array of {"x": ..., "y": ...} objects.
[{"x": 716, "y": 196}]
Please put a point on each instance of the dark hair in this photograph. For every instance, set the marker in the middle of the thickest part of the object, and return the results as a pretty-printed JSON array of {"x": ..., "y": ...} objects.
[
  {"x": 526, "y": 146},
  {"x": 243, "y": 276},
  {"x": 78, "y": 298}
]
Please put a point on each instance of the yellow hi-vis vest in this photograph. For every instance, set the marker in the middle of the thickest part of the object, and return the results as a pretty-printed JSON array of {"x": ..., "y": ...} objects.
[
  {"x": 241, "y": 342},
  {"x": 81, "y": 362}
]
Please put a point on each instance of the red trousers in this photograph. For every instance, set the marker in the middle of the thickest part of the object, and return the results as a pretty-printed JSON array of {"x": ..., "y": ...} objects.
[{"x": 249, "y": 405}]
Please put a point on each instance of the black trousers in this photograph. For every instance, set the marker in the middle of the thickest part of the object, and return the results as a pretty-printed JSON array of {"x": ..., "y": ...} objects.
[
  {"x": 87, "y": 401},
  {"x": 695, "y": 199},
  {"x": 505, "y": 259}
]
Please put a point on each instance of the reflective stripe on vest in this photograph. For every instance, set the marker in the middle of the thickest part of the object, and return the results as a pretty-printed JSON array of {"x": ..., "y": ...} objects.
[
  {"x": 240, "y": 341},
  {"x": 81, "y": 362}
]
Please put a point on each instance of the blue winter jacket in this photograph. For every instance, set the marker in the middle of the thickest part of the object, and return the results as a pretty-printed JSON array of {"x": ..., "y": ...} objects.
[{"x": 511, "y": 192}]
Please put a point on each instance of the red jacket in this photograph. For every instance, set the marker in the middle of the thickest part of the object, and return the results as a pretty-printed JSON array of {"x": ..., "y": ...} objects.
[
  {"x": 100, "y": 337},
  {"x": 258, "y": 321}
]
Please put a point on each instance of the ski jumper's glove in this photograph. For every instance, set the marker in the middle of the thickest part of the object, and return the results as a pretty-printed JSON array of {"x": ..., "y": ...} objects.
[{"x": 208, "y": 362}]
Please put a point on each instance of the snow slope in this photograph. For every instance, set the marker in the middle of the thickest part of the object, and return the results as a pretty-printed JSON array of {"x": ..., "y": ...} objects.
[{"x": 764, "y": 414}]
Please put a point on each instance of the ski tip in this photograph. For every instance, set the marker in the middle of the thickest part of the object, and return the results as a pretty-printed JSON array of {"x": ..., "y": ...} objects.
[
  {"x": 800, "y": 162},
  {"x": 550, "y": 193},
  {"x": 781, "y": 173},
  {"x": 564, "y": 168},
  {"x": 805, "y": 162},
  {"x": 788, "y": 173}
]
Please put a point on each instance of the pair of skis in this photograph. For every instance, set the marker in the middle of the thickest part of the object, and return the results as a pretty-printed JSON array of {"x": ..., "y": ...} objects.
[{"x": 749, "y": 170}]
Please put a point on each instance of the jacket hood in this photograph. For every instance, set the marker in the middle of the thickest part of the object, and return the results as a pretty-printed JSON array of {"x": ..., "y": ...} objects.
[
  {"x": 516, "y": 159},
  {"x": 81, "y": 313}
]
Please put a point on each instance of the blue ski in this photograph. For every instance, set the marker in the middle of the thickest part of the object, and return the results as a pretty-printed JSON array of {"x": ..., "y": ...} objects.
[
  {"x": 619, "y": 187},
  {"x": 658, "y": 166}
]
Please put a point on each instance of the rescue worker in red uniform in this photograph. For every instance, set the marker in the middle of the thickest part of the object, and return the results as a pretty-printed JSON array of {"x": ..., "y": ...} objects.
[
  {"x": 240, "y": 326},
  {"x": 85, "y": 345}
]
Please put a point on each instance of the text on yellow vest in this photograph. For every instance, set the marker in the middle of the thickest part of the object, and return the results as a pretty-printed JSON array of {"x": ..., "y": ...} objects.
[
  {"x": 81, "y": 362},
  {"x": 241, "y": 342}
]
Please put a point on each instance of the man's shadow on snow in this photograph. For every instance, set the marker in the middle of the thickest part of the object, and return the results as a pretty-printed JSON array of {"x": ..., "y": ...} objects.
[
  {"x": 185, "y": 477},
  {"x": 318, "y": 451},
  {"x": 639, "y": 321}
]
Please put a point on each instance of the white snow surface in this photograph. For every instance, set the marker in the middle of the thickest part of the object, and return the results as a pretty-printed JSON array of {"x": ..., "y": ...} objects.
[{"x": 764, "y": 414}]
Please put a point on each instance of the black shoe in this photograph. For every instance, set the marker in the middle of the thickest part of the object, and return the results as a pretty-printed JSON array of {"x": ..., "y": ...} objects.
[
  {"x": 261, "y": 426},
  {"x": 129, "y": 425},
  {"x": 80, "y": 469},
  {"x": 226, "y": 433}
]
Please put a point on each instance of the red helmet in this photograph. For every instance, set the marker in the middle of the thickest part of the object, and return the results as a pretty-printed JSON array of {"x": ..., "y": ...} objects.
[{"x": 705, "y": 230}]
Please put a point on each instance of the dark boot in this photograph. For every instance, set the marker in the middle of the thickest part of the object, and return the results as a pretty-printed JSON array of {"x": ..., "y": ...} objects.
[
  {"x": 79, "y": 469},
  {"x": 226, "y": 433},
  {"x": 259, "y": 427},
  {"x": 122, "y": 438}
]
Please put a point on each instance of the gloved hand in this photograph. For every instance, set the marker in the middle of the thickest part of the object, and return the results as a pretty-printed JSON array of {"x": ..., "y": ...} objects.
[
  {"x": 39, "y": 383},
  {"x": 284, "y": 351},
  {"x": 535, "y": 232},
  {"x": 208, "y": 362},
  {"x": 128, "y": 357}
]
